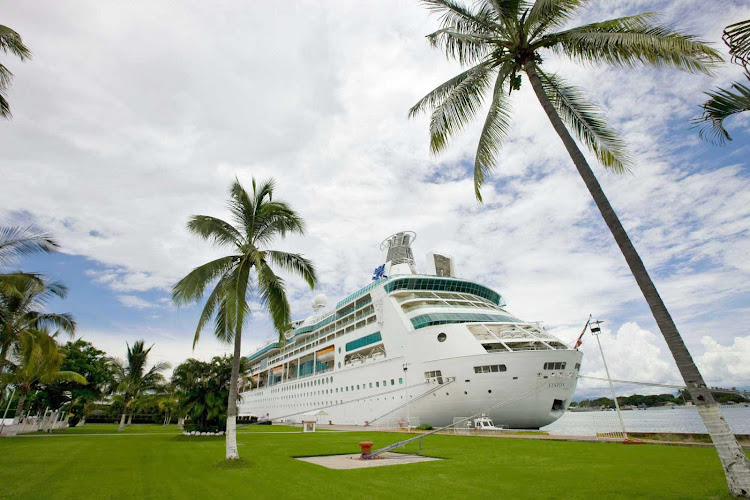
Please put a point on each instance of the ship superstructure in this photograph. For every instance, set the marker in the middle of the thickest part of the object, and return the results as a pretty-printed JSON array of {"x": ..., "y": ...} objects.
[{"x": 445, "y": 345}]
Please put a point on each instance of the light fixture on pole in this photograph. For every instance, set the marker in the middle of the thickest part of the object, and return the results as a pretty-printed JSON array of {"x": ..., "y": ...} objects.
[{"x": 595, "y": 330}]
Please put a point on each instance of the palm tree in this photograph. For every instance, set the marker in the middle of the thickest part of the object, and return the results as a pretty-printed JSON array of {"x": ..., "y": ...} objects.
[
  {"x": 22, "y": 309},
  {"x": 133, "y": 380},
  {"x": 258, "y": 221},
  {"x": 724, "y": 103},
  {"x": 36, "y": 359},
  {"x": 10, "y": 41},
  {"x": 499, "y": 40}
]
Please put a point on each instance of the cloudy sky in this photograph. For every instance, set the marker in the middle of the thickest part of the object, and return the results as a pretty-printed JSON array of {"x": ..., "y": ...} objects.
[{"x": 134, "y": 115}]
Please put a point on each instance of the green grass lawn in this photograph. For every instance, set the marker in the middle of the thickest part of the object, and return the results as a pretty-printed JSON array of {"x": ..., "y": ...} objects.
[
  {"x": 163, "y": 429},
  {"x": 162, "y": 465}
]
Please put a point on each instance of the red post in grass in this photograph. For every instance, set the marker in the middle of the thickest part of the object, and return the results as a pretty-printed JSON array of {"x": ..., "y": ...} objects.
[{"x": 366, "y": 448}]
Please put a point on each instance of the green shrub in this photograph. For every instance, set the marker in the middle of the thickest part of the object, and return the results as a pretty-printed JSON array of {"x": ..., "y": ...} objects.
[{"x": 424, "y": 427}]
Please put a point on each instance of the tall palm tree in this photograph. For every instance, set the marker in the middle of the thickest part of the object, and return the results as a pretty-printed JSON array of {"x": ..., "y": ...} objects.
[
  {"x": 501, "y": 39},
  {"x": 133, "y": 380},
  {"x": 10, "y": 41},
  {"x": 36, "y": 359},
  {"x": 258, "y": 221},
  {"x": 724, "y": 103}
]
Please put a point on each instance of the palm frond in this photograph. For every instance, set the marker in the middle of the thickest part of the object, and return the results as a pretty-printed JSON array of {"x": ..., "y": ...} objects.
[
  {"x": 454, "y": 15},
  {"x": 10, "y": 41},
  {"x": 242, "y": 206},
  {"x": 632, "y": 40},
  {"x": 4, "y": 106},
  {"x": 191, "y": 287},
  {"x": 62, "y": 322},
  {"x": 737, "y": 38},
  {"x": 495, "y": 130},
  {"x": 64, "y": 376},
  {"x": 276, "y": 219},
  {"x": 6, "y": 76},
  {"x": 210, "y": 307},
  {"x": 546, "y": 14},
  {"x": 272, "y": 294},
  {"x": 294, "y": 263},
  {"x": 454, "y": 103},
  {"x": 17, "y": 241},
  {"x": 587, "y": 122},
  {"x": 215, "y": 230},
  {"x": 722, "y": 104},
  {"x": 466, "y": 48}
]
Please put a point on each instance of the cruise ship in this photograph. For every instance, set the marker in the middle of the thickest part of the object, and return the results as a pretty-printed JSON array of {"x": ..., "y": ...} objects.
[{"x": 426, "y": 348}]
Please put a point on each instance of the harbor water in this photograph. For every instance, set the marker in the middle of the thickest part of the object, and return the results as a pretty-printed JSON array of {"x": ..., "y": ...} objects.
[{"x": 677, "y": 419}]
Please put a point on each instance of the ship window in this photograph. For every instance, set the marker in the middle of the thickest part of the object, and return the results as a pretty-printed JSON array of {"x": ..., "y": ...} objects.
[
  {"x": 385, "y": 383},
  {"x": 490, "y": 369},
  {"x": 393, "y": 382},
  {"x": 357, "y": 386},
  {"x": 558, "y": 365},
  {"x": 578, "y": 366},
  {"x": 347, "y": 389},
  {"x": 370, "y": 385},
  {"x": 441, "y": 337},
  {"x": 400, "y": 381},
  {"x": 377, "y": 384}
]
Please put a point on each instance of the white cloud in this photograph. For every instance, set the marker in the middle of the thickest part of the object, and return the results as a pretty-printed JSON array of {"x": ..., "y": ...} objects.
[
  {"x": 114, "y": 145},
  {"x": 135, "y": 302}
]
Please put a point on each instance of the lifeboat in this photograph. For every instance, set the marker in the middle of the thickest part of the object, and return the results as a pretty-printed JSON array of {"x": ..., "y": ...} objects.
[
  {"x": 326, "y": 354},
  {"x": 277, "y": 369}
]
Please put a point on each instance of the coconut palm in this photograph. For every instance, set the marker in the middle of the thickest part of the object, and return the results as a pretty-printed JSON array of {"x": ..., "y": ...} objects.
[
  {"x": 36, "y": 359},
  {"x": 499, "y": 40},
  {"x": 10, "y": 41},
  {"x": 133, "y": 380},
  {"x": 258, "y": 221},
  {"x": 23, "y": 308},
  {"x": 724, "y": 103}
]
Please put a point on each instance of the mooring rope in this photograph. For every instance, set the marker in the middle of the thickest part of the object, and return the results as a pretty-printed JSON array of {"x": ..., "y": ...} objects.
[{"x": 671, "y": 386}]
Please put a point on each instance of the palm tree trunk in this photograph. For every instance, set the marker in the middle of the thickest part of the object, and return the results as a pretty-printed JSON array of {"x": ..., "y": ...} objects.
[
  {"x": 82, "y": 422},
  {"x": 733, "y": 460},
  {"x": 19, "y": 408},
  {"x": 122, "y": 423},
  {"x": 231, "y": 441},
  {"x": 130, "y": 418}
]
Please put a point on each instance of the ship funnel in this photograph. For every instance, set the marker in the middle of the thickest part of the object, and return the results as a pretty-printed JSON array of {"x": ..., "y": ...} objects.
[{"x": 399, "y": 259}]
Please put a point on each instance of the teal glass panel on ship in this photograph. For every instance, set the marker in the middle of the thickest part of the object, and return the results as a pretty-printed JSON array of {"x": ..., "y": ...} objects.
[
  {"x": 445, "y": 285},
  {"x": 431, "y": 319},
  {"x": 363, "y": 341}
]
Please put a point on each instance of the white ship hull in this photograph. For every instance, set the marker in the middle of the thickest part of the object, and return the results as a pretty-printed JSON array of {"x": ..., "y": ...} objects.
[{"x": 345, "y": 396}]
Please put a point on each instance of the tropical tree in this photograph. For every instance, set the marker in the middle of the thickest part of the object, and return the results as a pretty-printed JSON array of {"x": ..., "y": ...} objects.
[
  {"x": 17, "y": 287},
  {"x": 258, "y": 221},
  {"x": 36, "y": 359},
  {"x": 499, "y": 40},
  {"x": 23, "y": 309},
  {"x": 133, "y": 380},
  {"x": 93, "y": 364},
  {"x": 202, "y": 391},
  {"x": 724, "y": 103},
  {"x": 10, "y": 41}
]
